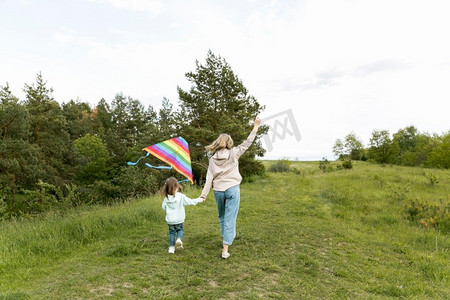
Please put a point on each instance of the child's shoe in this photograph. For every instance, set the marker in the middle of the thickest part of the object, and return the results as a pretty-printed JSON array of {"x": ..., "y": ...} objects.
[
  {"x": 225, "y": 255},
  {"x": 172, "y": 249},
  {"x": 179, "y": 244}
]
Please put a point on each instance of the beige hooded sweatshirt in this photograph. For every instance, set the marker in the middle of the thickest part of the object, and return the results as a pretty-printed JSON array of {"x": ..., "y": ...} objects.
[{"x": 223, "y": 169}]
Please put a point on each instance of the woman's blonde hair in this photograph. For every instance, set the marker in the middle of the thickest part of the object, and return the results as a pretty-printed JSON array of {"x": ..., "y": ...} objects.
[
  {"x": 223, "y": 141},
  {"x": 171, "y": 186}
]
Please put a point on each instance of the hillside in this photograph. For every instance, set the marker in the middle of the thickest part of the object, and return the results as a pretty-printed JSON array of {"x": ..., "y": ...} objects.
[{"x": 370, "y": 232}]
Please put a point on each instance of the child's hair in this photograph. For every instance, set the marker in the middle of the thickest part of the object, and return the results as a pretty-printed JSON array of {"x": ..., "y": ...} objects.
[
  {"x": 223, "y": 141},
  {"x": 171, "y": 186}
]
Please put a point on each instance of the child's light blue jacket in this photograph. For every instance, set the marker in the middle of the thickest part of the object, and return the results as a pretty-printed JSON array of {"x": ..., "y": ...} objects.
[{"x": 174, "y": 207}]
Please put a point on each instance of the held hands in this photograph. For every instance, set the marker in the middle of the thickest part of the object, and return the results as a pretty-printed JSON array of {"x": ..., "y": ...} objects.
[{"x": 203, "y": 199}]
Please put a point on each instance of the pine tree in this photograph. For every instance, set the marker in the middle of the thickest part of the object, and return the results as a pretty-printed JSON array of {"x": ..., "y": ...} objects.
[
  {"x": 48, "y": 131},
  {"x": 166, "y": 124},
  {"x": 80, "y": 119},
  {"x": 125, "y": 124},
  {"x": 19, "y": 160},
  {"x": 217, "y": 102}
]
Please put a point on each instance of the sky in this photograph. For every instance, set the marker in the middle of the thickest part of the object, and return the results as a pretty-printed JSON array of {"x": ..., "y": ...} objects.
[{"x": 322, "y": 68}]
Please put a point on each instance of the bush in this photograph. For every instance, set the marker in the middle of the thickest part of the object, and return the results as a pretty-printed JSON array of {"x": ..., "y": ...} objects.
[
  {"x": 430, "y": 214},
  {"x": 380, "y": 180},
  {"x": 250, "y": 167},
  {"x": 325, "y": 166},
  {"x": 399, "y": 193},
  {"x": 432, "y": 179},
  {"x": 74, "y": 196},
  {"x": 280, "y": 166},
  {"x": 347, "y": 164},
  {"x": 136, "y": 182},
  {"x": 45, "y": 198},
  {"x": 103, "y": 192}
]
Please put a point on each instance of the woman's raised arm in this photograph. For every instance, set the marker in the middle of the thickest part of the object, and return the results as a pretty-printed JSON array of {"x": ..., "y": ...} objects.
[{"x": 246, "y": 144}]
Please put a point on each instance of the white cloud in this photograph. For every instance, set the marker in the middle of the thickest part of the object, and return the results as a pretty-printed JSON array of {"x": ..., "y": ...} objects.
[
  {"x": 151, "y": 6},
  {"x": 69, "y": 36},
  {"x": 380, "y": 66}
]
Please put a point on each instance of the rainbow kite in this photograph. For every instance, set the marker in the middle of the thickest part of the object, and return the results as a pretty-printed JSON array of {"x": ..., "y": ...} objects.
[{"x": 174, "y": 152}]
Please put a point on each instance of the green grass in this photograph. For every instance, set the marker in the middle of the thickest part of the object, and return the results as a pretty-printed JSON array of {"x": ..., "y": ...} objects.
[{"x": 313, "y": 235}]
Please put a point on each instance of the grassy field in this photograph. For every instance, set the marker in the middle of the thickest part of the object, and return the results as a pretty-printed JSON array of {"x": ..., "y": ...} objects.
[{"x": 301, "y": 235}]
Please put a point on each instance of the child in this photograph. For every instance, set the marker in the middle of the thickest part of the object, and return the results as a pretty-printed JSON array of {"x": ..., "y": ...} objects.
[{"x": 173, "y": 204}]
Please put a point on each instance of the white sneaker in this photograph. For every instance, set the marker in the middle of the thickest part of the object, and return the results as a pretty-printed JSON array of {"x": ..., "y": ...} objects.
[
  {"x": 225, "y": 255},
  {"x": 172, "y": 249},
  {"x": 179, "y": 244}
]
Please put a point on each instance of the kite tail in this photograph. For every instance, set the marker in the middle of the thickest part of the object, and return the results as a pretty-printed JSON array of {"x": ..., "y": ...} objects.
[
  {"x": 135, "y": 163},
  {"x": 163, "y": 167},
  {"x": 147, "y": 164},
  {"x": 159, "y": 167}
]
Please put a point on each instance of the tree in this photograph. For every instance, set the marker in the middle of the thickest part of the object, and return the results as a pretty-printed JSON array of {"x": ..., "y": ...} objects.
[
  {"x": 13, "y": 117},
  {"x": 166, "y": 120},
  {"x": 80, "y": 119},
  {"x": 148, "y": 130},
  {"x": 380, "y": 146},
  {"x": 351, "y": 147},
  {"x": 94, "y": 159},
  {"x": 136, "y": 121},
  {"x": 103, "y": 114},
  {"x": 338, "y": 149},
  {"x": 217, "y": 102},
  {"x": 48, "y": 131},
  {"x": 118, "y": 138},
  {"x": 126, "y": 124},
  {"x": 440, "y": 155},
  {"x": 423, "y": 147},
  {"x": 19, "y": 160},
  {"x": 405, "y": 140}
]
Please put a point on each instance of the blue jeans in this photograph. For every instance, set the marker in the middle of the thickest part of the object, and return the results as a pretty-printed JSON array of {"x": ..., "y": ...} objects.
[
  {"x": 175, "y": 229},
  {"x": 228, "y": 208}
]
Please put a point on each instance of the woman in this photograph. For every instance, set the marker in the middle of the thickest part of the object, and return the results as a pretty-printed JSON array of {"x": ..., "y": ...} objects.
[{"x": 223, "y": 175}]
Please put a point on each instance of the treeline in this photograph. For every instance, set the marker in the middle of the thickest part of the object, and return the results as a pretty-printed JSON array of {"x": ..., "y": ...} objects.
[
  {"x": 406, "y": 147},
  {"x": 57, "y": 156}
]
